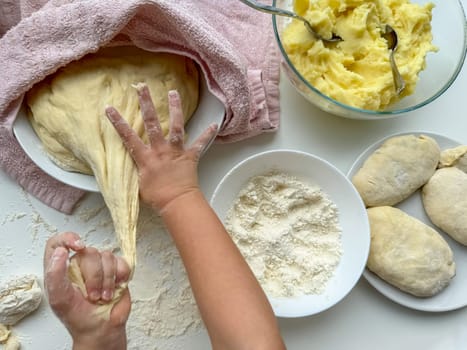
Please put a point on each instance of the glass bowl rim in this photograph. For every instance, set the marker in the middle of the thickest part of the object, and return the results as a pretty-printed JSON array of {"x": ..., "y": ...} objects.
[{"x": 368, "y": 111}]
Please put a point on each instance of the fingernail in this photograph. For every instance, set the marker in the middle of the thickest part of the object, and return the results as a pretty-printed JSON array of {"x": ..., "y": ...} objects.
[
  {"x": 79, "y": 244},
  {"x": 109, "y": 112},
  {"x": 139, "y": 86},
  {"x": 173, "y": 93},
  {"x": 214, "y": 127},
  {"x": 94, "y": 295},
  {"x": 107, "y": 295}
]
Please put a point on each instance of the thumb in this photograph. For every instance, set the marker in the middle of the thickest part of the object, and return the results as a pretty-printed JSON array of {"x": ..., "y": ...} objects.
[{"x": 59, "y": 288}]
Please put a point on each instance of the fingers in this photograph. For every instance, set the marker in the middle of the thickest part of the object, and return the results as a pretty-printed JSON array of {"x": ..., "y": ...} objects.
[
  {"x": 102, "y": 272},
  {"x": 67, "y": 240},
  {"x": 132, "y": 141},
  {"x": 148, "y": 112},
  {"x": 177, "y": 122},
  {"x": 90, "y": 263},
  {"x": 109, "y": 268},
  {"x": 130, "y": 138},
  {"x": 59, "y": 289},
  {"x": 123, "y": 271},
  {"x": 203, "y": 141}
]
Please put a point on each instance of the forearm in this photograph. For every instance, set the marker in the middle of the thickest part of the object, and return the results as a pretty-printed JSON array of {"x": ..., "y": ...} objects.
[{"x": 234, "y": 308}]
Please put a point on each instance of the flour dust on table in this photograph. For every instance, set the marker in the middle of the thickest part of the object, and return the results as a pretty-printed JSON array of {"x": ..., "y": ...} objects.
[{"x": 163, "y": 308}]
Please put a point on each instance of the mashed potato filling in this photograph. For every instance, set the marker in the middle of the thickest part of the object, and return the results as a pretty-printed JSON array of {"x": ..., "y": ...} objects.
[{"x": 357, "y": 71}]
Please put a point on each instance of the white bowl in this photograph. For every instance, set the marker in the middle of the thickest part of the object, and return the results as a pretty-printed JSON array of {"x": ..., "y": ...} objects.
[
  {"x": 352, "y": 219},
  {"x": 210, "y": 110}
]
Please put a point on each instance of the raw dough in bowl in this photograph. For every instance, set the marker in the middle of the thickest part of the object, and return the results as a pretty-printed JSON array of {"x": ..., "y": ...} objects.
[{"x": 68, "y": 114}]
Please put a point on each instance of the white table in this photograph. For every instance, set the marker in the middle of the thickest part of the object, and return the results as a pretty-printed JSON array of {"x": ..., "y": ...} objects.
[{"x": 364, "y": 320}]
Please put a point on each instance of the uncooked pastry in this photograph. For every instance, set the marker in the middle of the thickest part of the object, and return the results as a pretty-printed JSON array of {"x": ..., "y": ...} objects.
[
  {"x": 67, "y": 113},
  {"x": 18, "y": 298},
  {"x": 407, "y": 253},
  {"x": 445, "y": 202},
  {"x": 400, "y": 166},
  {"x": 456, "y": 156},
  {"x": 12, "y": 343},
  {"x": 4, "y": 333}
]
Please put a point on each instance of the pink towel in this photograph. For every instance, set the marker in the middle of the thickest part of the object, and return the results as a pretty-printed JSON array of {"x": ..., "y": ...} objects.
[{"x": 232, "y": 43}]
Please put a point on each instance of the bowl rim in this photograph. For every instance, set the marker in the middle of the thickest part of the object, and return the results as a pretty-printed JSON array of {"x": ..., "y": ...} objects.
[
  {"x": 210, "y": 109},
  {"x": 299, "y": 306},
  {"x": 369, "y": 112}
]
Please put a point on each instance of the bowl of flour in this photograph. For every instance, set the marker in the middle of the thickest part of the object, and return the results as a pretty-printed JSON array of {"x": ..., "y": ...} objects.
[{"x": 301, "y": 226}]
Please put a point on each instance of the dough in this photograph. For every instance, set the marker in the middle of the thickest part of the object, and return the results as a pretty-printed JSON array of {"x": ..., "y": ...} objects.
[
  {"x": 357, "y": 71},
  {"x": 4, "y": 334},
  {"x": 445, "y": 201},
  {"x": 68, "y": 115},
  {"x": 400, "y": 166},
  {"x": 12, "y": 343},
  {"x": 456, "y": 156},
  {"x": 18, "y": 298},
  {"x": 407, "y": 253}
]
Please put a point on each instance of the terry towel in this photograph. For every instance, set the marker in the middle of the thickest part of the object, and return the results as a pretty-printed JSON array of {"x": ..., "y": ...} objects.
[{"x": 232, "y": 43}]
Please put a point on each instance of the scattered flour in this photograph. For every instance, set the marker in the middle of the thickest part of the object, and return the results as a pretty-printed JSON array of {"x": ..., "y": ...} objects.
[
  {"x": 163, "y": 305},
  {"x": 163, "y": 308},
  {"x": 289, "y": 233}
]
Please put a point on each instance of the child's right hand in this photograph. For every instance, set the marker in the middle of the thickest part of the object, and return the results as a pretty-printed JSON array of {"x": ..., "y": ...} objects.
[{"x": 167, "y": 170}]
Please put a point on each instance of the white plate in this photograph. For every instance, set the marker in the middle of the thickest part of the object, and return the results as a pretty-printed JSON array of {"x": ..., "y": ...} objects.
[
  {"x": 455, "y": 295},
  {"x": 352, "y": 218},
  {"x": 210, "y": 110}
]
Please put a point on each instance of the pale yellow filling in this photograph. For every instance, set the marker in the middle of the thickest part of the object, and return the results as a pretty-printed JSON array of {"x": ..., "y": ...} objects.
[{"x": 356, "y": 71}]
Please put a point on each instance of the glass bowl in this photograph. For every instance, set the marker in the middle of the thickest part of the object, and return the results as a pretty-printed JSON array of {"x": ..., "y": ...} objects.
[{"x": 449, "y": 31}]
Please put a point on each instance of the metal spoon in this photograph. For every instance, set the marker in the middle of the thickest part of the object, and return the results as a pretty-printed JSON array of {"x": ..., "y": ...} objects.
[
  {"x": 280, "y": 12},
  {"x": 391, "y": 37}
]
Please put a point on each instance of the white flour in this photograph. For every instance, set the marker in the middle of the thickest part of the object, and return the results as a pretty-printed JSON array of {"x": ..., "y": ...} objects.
[
  {"x": 164, "y": 311},
  {"x": 289, "y": 233},
  {"x": 163, "y": 307}
]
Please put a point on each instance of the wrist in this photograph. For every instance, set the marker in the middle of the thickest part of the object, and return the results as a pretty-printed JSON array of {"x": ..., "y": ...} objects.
[
  {"x": 115, "y": 341},
  {"x": 174, "y": 204}
]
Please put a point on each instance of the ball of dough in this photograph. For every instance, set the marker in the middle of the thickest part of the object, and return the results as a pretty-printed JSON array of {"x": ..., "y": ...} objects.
[
  {"x": 407, "y": 253},
  {"x": 18, "y": 298},
  {"x": 456, "y": 156},
  {"x": 399, "y": 167},
  {"x": 445, "y": 201}
]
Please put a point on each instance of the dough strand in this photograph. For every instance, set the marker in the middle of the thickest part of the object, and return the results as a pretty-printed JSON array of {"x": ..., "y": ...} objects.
[{"x": 68, "y": 114}]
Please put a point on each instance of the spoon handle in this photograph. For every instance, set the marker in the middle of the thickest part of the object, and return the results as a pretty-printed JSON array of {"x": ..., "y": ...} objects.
[
  {"x": 399, "y": 82},
  {"x": 270, "y": 9}
]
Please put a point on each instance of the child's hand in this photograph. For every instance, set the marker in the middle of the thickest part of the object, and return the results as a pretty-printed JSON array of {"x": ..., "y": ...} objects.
[{"x": 166, "y": 169}]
